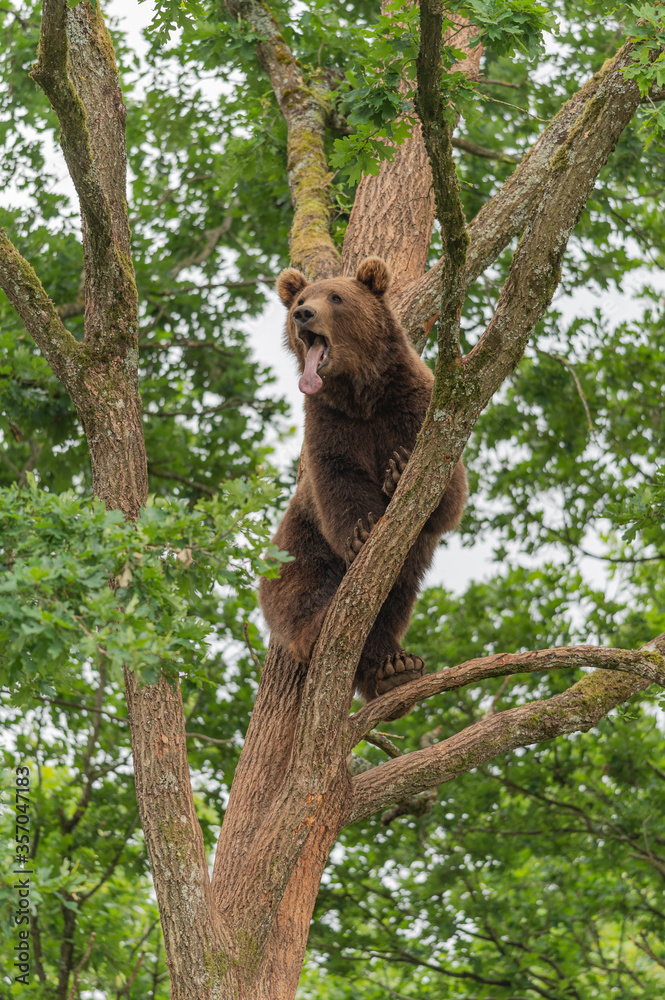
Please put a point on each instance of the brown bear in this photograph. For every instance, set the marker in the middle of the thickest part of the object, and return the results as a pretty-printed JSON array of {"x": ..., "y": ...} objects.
[{"x": 366, "y": 394}]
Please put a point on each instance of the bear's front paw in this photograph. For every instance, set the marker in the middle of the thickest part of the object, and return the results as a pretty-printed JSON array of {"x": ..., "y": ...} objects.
[
  {"x": 355, "y": 542},
  {"x": 400, "y": 668},
  {"x": 396, "y": 467}
]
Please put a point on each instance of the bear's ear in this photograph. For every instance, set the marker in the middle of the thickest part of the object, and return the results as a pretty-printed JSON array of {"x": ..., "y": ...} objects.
[
  {"x": 375, "y": 274},
  {"x": 289, "y": 284}
]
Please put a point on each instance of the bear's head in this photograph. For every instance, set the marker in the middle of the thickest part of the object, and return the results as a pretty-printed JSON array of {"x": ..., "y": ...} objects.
[{"x": 338, "y": 326}]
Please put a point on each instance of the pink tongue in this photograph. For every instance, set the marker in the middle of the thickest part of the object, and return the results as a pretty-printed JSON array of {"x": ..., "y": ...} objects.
[{"x": 310, "y": 382}]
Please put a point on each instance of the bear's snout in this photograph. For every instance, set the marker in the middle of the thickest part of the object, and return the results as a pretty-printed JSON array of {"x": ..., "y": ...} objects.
[{"x": 304, "y": 314}]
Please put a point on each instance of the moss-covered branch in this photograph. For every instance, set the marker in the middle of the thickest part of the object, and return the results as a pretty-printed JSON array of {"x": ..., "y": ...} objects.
[
  {"x": 437, "y": 135},
  {"x": 40, "y": 317},
  {"x": 52, "y": 73},
  {"x": 305, "y": 108},
  {"x": 536, "y": 266},
  {"x": 579, "y": 708},
  {"x": 76, "y": 69}
]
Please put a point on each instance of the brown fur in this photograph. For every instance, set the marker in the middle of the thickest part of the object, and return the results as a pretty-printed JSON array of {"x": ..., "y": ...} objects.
[{"x": 375, "y": 393}]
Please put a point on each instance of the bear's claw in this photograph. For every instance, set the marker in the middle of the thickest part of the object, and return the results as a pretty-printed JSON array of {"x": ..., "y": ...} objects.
[
  {"x": 396, "y": 467},
  {"x": 355, "y": 542},
  {"x": 400, "y": 668}
]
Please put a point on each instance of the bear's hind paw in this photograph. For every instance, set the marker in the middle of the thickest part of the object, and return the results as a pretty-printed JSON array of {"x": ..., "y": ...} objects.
[
  {"x": 400, "y": 668},
  {"x": 355, "y": 542},
  {"x": 396, "y": 467}
]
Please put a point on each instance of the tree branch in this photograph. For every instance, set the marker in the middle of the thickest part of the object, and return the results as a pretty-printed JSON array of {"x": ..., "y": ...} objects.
[
  {"x": 52, "y": 74},
  {"x": 483, "y": 151},
  {"x": 305, "y": 109},
  {"x": 76, "y": 70},
  {"x": 505, "y": 215},
  {"x": 209, "y": 739},
  {"x": 110, "y": 868},
  {"x": 38, "y": 314},
  {"x": 437, "y": 137},
  {"x": 646, "y": 663},
  {"x": 176, "y": 477},
  {"x": 86, "y": 770},
  {"x": 536, "y": 267},
  {"x": 211, "y": 239},
  {"x": 578, "y": 709},
  {"x": 79, "y": 967},
  {"x": 578, "y": 385}
]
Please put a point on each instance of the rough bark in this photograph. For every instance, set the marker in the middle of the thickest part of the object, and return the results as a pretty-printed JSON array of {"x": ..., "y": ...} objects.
[
  {"x": 76, "y": 70},
  {"x": 38, "y": 314},
  {"x": 193, "y": 934}
]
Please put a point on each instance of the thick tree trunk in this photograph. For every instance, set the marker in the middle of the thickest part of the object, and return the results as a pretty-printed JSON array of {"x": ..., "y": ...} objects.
[
  {"x": 277, "y": 930},
  {"x": 285, "y": 952},
  {"x": 193, "y": 939},
  {"x": 273, "y": 971}
]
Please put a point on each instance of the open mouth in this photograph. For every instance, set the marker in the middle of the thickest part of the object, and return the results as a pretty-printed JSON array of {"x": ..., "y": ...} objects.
[
  {"x": 318, "y": 352},
  {"x": 318, "y": 344}
]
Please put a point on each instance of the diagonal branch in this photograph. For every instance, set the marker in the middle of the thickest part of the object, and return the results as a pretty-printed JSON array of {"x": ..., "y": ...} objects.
[
  {"x": 305, "y": 109},
  {"x": 536, "y": 267},
  {"x": 579, "y": 708},
  {"x": 38, "y": 314},
  {"x": 505, "y": 215},
  {"x": 646, "y": 663},
  {"x": 76, "y": 69}
]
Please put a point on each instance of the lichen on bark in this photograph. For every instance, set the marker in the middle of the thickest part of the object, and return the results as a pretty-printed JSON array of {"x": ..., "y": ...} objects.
[{"x": 305, "y": 109}]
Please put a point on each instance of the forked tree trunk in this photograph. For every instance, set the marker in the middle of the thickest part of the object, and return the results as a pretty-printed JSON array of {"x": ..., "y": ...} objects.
[{"x": 267, "y": 963}]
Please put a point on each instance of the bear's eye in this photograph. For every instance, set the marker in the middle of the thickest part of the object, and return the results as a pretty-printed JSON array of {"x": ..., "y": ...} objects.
[
  {"x": 300, "y": 301},
  {"x": 335, "y": 298}
]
